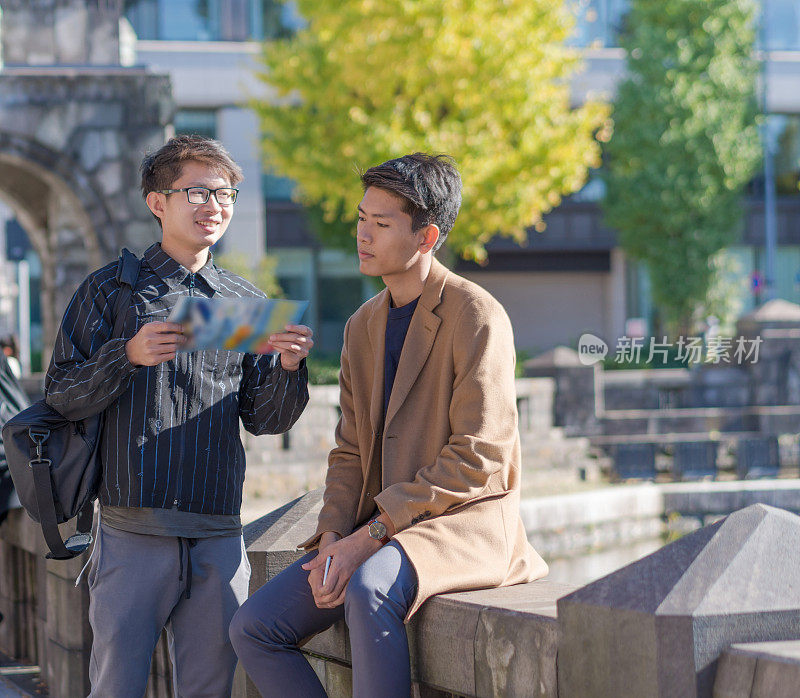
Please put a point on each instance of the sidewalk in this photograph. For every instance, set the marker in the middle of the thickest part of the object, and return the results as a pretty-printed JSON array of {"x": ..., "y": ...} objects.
[
  {"x": 19, "y": 680},
  {"x": 11, "y": 690}
]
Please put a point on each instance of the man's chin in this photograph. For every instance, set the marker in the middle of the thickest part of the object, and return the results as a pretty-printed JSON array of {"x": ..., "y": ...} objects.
[
  {"x": 366, "y": 269},
  {"x": 207, "y": 239}
]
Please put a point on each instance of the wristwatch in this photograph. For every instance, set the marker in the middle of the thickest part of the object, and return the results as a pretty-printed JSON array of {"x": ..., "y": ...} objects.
[{"x": 377, "y": 531}]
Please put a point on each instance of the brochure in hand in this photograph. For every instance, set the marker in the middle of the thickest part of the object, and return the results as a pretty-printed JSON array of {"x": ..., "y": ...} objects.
[{"x": 234, "y": 324}]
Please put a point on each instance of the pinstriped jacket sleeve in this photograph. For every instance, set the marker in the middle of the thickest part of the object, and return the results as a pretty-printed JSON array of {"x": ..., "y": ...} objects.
[
  {"x": 88, "y": 370},
  {"x": 271, "y": 399}
]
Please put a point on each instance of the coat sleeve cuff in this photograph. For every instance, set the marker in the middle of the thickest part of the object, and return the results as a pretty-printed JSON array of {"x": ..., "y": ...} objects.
[{"x": 395, "y": 506}]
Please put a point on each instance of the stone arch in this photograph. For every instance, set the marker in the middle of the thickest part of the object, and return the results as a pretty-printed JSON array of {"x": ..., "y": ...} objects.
[
  {"x": 71, "y": 140},
  {"x": 67, "y": 221}
]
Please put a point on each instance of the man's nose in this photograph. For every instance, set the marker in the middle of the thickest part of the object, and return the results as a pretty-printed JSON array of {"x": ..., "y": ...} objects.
[{"x": 212, "y": 204}]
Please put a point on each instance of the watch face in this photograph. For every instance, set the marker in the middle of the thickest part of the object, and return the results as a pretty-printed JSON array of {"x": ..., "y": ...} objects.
[{"x": 377, "y": 530}]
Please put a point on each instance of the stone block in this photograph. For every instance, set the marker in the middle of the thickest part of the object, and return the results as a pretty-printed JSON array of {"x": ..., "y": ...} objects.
[
  {"x": 735, "y": 674},
  {"x": 21, "y": 531},
  {"x": 517, "y": 641},
  {"x": 241, "y": 683},
  {"x": 272, "y": 540},
  {"x": 659, "y": 625},
  {"x": 776, "y": 679},
  {"x": 318, "y": 665},
  {"x": 102, "y": 115},
  {"x": 333, "y": 643},
  {"x": 70, "y": 25},
  {"x": 338, "y": 680},
  {"x": 759, "y": 670},
  {"x": 57, "y": 125},
  {"x": 442, "y": 642},
  {"x": 109, "y": 176},
  {"x": 91, "y": 150},
  {"x": 721, "y": 498},
  {"x": 68, "y": 614},
  {"x": 66, "y": 671}
]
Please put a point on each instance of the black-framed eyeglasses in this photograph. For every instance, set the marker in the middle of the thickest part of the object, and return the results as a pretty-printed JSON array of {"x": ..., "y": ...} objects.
[{"x": 225, "y": 196}]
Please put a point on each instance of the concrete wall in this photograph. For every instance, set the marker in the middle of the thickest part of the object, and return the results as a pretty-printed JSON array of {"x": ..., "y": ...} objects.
[{"x": 548, "y": 309}]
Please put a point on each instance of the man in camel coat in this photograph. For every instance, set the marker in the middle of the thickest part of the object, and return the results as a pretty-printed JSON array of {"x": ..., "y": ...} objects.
[{"x": 422, "y": 491}]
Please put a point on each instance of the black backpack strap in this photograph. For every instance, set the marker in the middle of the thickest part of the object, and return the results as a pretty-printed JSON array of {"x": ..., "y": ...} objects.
[
  {"x": 45, "y": 504},
  {"x": 127, "y": 273},
  {"x": 128, "y": 267}
]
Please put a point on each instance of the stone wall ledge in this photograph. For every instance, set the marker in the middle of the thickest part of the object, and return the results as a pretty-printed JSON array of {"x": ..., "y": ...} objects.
[
  {"x": 630, "y": 501},
  {"x": 759, "y": 670},
  {"x": 478, "y": 643}
]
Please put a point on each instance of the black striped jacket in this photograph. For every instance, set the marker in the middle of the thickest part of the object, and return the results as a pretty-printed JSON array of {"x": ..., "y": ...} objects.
[{"x": 172, "y": 431}]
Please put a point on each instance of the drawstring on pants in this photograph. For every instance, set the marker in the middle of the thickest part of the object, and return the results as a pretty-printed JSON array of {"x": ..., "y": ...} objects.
[{"x": 190, "y": 543}]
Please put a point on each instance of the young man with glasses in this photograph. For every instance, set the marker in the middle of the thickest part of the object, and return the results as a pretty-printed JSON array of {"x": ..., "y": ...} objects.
[
  {"x": 169, "y": 549},
  {"x": 422, "y": 492}
]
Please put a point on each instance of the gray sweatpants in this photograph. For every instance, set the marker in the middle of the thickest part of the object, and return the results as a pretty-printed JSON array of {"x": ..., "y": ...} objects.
[{"x": 137, "y": 586}]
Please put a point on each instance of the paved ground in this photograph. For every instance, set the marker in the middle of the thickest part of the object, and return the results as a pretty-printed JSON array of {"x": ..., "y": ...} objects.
[
  {"x": 11, "y": 690},
  {"x": 19, "y": 680}
]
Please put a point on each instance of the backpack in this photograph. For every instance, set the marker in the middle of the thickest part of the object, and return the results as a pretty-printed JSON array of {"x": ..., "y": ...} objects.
[
  {"x": 55, "y": 463},
  {"x": 12, "y": 401}
]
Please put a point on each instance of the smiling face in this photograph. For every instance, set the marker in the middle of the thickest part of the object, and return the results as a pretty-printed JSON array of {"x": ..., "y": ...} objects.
[
  {"x": 387, "y": 246},
  {"x": 192, "y": 227}
]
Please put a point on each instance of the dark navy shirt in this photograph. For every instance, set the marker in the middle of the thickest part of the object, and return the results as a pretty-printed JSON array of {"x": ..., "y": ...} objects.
[{"x": 396, "y": 328}]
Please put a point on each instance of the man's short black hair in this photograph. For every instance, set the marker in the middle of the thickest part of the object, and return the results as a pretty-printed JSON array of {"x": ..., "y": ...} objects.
[
  {"x": 161, "y": 168},
  {"x": 428, "y": 185}
]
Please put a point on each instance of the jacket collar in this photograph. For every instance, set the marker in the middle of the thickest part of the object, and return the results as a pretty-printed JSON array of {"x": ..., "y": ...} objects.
[
  {"x": 174, "y": 273},
  {"x": 421, "y": 334}
]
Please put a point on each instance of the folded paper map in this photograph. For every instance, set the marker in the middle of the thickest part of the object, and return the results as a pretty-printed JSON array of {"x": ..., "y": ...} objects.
[{"x": 234, "y": 324}]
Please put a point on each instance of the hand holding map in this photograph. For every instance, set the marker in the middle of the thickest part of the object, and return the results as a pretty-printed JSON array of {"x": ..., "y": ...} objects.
[{"x": 234, "y": 324}]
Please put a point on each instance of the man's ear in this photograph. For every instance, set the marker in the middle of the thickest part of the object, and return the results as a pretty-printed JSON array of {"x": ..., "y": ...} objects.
[
  {"x": 155, "y": 202},
  {"x": 430, "y": 236}
]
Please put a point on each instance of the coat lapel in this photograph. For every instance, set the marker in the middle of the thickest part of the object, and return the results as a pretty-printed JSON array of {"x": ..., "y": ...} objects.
[
  {"x": 376, "y": 331},
  {"x": 419, "y": 340}
]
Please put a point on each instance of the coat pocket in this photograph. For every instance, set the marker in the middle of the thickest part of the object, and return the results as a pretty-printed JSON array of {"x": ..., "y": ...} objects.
[{"x": 480, "y": 498}]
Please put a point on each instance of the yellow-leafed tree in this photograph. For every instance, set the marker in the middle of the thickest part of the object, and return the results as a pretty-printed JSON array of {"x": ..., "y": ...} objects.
[{"x": 486, "y": 81}]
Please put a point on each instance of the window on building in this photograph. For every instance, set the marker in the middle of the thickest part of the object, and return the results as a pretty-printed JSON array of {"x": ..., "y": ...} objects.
[
  {"x": 212, "y": 20},
  {"x": 598, "y": 22},
  {"x": 200, "y": 122},
  {"x": 295, "y": 287},
  {"x": 275, "y": 188},
  {"x": 339, "y": 298},
  {"x": 594, "y": 189},
  {"x": 787, "y": 153},
  {"x": 784, "y": 135},
  {"x": 782, "y": 25}
]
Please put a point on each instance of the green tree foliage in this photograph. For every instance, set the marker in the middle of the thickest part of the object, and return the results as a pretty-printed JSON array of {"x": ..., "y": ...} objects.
[
  {"x": 262, "y": 275},
  {"x": 685, "y": 143},
  {"x": 484, "y": 81}
]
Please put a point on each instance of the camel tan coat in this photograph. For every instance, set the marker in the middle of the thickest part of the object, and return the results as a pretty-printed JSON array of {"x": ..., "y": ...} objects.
[{"x": 445, "y": 467}]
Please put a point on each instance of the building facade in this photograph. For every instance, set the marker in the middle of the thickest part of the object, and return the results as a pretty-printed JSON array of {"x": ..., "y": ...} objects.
[{"x": 570, "y": 279}]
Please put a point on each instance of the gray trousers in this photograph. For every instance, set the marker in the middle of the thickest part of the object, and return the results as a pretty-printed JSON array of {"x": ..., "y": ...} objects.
[
  {"x": 267, "y": 629},
  {"x": 138, "y": 585}
]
